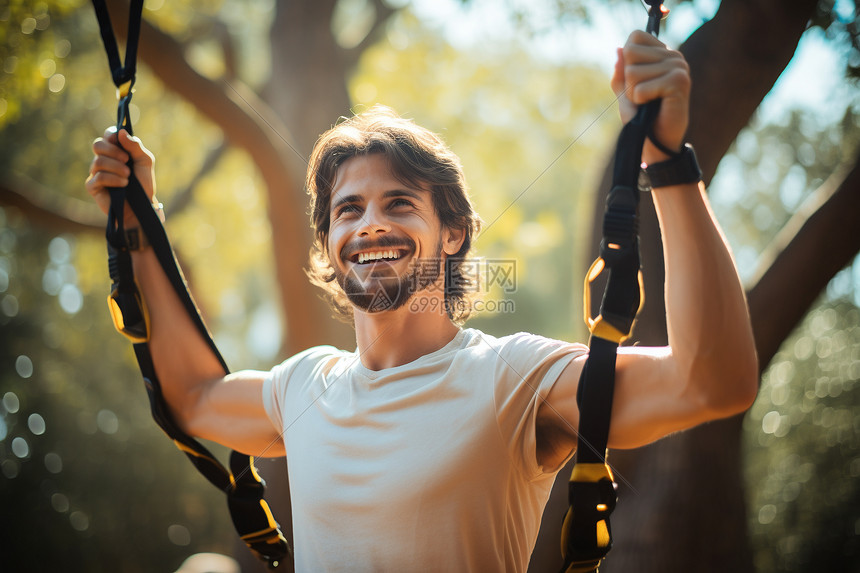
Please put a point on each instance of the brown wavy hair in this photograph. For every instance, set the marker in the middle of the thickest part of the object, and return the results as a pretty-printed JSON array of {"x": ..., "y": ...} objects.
[{"x": 417, "y": 157}]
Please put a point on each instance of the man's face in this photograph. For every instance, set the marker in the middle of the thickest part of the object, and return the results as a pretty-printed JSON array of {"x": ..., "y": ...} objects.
[{"x": 385, "y": 241}]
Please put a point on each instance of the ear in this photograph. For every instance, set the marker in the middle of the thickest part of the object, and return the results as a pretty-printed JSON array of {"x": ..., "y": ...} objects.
[{"x": 452, "y": 240}]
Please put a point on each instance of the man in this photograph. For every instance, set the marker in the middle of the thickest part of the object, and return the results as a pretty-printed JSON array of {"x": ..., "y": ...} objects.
[{"x": 433, "y": 447}]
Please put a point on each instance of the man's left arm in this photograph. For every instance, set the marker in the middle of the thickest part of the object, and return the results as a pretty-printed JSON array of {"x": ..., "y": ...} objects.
[{"x": 709, "y": 370}]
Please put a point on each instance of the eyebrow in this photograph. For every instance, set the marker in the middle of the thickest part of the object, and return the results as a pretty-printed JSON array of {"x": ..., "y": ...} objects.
[{"x": 355, "y": 198}]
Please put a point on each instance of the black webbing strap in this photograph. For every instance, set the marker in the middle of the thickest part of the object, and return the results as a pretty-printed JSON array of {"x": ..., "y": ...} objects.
[
  {"x": 244, "y": 487},
  {"x": 586, "y": 532}
]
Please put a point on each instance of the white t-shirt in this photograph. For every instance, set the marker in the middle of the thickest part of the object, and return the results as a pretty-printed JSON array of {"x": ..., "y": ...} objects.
[{"x": 428, "y": 466}]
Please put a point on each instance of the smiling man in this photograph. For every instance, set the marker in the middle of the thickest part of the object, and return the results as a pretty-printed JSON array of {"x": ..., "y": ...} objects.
[{"x": 433, "y": 447}]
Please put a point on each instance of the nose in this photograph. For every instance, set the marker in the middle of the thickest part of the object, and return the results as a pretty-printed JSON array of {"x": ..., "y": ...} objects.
[{"x": 373, "y": 223}]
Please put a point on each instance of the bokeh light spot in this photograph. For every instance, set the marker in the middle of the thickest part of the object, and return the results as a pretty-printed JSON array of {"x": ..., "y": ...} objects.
[
  {"x": 79, "y": 521},
  {"x": 53, "y": 462},
  {"x": 107, "y": 422},
  {"x": 9, "y": 305},
  {"x": 20, "y": 447},
  {"x": 71, "y": 299},
  {"x": 11, "y": 402},
  {"x": 36, "y": 423},
  {"x": 57, "y": 83},
  {"x": 767, "y": 514},
  {"x": 179, "y": 535},
  {"x": 24, "y": 366},
  {"x": 9, "y": 469},
  {"x": 59, "y": 250},
  {"x": 60, "y": 503}
]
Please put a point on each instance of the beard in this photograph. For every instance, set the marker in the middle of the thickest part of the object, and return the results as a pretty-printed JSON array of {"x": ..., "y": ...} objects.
[{"x": 383, "y": 288}]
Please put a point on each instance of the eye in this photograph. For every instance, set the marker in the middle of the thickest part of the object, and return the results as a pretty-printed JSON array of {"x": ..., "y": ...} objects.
[
  {"x": 346, "y": 209},
  {"x": 401, "y": 202}
]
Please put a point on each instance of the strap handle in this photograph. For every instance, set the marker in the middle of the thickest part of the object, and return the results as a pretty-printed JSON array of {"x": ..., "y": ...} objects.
[{"x": 121, "y": 74}]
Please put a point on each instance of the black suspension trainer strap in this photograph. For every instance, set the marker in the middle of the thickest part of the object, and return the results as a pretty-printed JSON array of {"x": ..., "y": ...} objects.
[
  {"x": 244, "y": 488},
  {"x": 586, "y": 533}
]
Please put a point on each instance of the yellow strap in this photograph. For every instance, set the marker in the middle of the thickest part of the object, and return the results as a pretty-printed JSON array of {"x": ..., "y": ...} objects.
[
  {"x": 200, "y": 455},
  {"x": 123, "y": 90},
  {"x": 603, "y": 538},
  {"x": 270, "y": 534},
  {"x": 591, "y": 472}
]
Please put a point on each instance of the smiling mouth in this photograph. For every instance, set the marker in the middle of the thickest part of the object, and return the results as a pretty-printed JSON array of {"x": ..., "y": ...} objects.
[{"x": 367, "y": 257}]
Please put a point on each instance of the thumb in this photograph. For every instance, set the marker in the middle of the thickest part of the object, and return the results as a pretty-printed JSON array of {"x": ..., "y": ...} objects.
[
  {"x": 143, "y": 161},
  {"x": 139, "y": 154}
]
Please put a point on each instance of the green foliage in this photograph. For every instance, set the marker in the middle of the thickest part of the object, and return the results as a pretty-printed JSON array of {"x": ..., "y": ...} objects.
[
  {"x": 803, "y": 447},
  {"x": 89, "y": 482},
  {"x": 841, "y": 22}
]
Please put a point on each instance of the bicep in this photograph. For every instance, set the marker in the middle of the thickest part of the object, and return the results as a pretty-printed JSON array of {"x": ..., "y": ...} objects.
[
  {"x": 651, "y": 399},
  {"x": 231, "y": 412}
]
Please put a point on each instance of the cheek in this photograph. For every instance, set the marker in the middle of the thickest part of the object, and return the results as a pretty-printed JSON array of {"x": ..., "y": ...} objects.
[{"x": 339, "y": 235}]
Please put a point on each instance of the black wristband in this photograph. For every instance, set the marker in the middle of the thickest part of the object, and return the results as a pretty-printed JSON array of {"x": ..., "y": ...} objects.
[{"x": 679, "y": 170}]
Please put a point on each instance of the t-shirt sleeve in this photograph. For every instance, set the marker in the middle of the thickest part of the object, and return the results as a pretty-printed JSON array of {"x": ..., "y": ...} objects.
[
  {"x": 277, "y": 382},
  {"x": 527, "y": 368}
]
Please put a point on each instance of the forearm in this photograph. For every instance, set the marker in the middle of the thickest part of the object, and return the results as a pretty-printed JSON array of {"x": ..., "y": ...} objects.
[
  {"x": 708, "y": 323},
  {"x": 184, "y": 363}
]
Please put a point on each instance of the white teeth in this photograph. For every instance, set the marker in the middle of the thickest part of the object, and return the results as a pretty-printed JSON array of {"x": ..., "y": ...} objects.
[{"x": 375, "y": 256}]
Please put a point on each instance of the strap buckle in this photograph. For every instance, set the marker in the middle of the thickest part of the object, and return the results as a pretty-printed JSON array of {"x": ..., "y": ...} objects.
[
  {"x": 586, "y": 533},
  {"x": 129, "y": 313},
  {"x": 600, "y": 326}
]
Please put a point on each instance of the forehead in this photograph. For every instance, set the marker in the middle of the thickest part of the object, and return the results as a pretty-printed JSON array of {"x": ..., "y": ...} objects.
[{"x": 364, "y": 176}]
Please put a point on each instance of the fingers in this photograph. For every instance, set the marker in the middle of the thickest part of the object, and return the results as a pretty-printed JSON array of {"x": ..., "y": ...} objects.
[
  {"x": 107, "y": 146},
  {"x": 651, "y": 71},
  {"x": 108, "y": 168},
  {"x": 122, "y": 146},
  {"x": 647, "y": 70},
  {"x": 664, "y": 80}
]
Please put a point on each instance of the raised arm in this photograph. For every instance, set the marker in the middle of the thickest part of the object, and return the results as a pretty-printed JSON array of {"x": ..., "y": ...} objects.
[
  {"x": 206, "y": 404},
  {"x": 709, "y": 369}
]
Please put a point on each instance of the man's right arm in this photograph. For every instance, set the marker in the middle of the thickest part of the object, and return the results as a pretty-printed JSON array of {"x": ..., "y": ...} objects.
[{"x": 205, "y": 403}]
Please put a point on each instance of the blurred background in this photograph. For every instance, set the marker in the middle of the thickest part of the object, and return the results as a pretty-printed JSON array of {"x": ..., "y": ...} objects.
[{"x": 231, "y": 95}]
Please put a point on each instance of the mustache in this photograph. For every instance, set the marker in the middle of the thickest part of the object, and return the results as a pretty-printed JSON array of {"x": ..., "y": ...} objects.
[{"x": 383, "y": 242}]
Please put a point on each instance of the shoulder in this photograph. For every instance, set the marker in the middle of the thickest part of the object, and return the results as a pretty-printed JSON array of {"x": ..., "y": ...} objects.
[
  {"x": 523, "y": 355},
  {"x": 526, "y": 345},
  {"x": 305, "y": 362}
]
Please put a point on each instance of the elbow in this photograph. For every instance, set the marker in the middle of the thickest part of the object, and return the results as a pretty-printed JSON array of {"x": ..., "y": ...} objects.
[
  {"x": 183, "y": 409},
  {"x": 732, "y": 390}
]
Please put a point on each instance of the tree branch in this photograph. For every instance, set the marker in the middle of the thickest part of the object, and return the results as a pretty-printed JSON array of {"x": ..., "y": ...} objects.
[
  {"x": 49, "y": 209},
  {"x": 820, "y": 237},
  {"x": 183, "y": 197},
  {"x": 383, "y": 12}
]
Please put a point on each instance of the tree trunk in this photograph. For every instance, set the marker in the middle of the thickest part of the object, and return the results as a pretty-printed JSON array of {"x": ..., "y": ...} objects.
[{"x": 307, "y": 91}]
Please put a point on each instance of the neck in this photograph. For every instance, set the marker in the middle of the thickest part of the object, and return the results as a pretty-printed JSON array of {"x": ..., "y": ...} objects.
[{"x": 393, "y": 338}]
